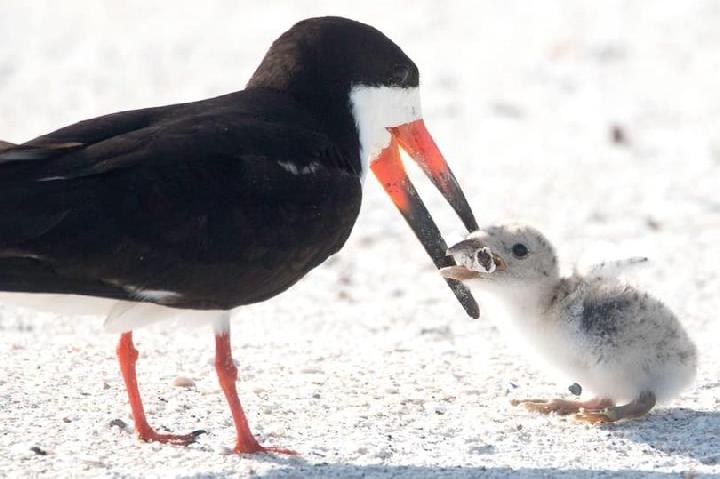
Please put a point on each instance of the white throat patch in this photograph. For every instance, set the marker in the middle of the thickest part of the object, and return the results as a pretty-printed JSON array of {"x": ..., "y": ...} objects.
[{"x": 376, "y": 108}]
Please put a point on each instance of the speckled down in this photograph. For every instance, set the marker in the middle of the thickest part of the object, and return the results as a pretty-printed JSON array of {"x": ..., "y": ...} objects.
[
  {"x": 624, "y": 342},
  {"x": 595, "y": 121},
  {"x": 617, "y": 341},
  {"x": 644, "y": 347}
]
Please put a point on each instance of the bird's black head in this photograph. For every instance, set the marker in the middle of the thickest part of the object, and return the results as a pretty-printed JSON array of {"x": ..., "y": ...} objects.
[
  {"x": 324, "y": 57},
  {"x": 321, "y": 62},
  {"x": 364, "y": 92}
]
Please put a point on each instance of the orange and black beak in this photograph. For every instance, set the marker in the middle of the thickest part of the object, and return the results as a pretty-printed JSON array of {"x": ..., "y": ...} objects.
[{"x": 414, "y": 138}]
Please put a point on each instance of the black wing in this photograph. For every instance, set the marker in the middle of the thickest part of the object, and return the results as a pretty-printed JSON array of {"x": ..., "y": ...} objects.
[{"x": 205, "y": 201}]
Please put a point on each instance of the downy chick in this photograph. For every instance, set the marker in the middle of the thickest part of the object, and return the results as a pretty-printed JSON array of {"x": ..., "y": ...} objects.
[{"x": 619, "y": 343}]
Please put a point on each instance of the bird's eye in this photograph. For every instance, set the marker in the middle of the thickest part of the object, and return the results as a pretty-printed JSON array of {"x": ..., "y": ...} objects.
[
  {"x": 519, "y": 250},
  {"x": 400, "y": 74}
]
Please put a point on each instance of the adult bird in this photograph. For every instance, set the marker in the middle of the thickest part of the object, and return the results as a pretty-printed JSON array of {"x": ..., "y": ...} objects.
[{"x": 198, "y": 208}]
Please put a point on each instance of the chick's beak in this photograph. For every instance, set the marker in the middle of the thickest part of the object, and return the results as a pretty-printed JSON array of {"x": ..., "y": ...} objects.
[
  {"x": 458, "y": 273},
  {"x": 414, "y": 138},
  {"x": 465, "y": 250}
]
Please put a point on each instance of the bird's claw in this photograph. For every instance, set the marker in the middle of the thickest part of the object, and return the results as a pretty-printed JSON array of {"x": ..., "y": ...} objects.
[
  {"x": 175, "y": 439},
  {"x": 594, "y": 416},
  {"x": 258, "y": 449},
  {"x": 542, "y": 406}
]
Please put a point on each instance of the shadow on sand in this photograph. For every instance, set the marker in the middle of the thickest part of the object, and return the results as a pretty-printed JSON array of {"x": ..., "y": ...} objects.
[
  {"x": 297, "y": 467},
  {"x": 672, "y": 431},
  {"x": 352, "y": 471},
  {"x": 676, "y": 432}
]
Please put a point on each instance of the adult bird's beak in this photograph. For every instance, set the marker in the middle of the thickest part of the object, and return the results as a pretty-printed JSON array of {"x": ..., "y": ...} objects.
[{"x": 414, "y": 138}]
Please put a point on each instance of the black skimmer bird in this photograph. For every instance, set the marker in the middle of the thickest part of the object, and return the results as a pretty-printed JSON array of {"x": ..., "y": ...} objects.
[
  {"x": 198, "y": 208},
  {"x": 618, "y": 342}
]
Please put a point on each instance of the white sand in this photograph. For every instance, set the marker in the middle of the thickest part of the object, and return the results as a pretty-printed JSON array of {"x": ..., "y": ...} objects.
[{"x": 369, "y": 367}]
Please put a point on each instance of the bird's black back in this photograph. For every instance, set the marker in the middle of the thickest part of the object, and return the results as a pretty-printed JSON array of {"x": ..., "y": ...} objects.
[{"x": 191, "y": 198}]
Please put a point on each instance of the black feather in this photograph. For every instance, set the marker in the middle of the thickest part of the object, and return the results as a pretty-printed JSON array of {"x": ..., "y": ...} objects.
[{"x": 189, "y": 198}]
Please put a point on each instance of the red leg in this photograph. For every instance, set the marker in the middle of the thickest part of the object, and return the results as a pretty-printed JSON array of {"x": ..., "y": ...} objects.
[
  {"x": 127, "y": 356},
  {"x": 227, "y": 374}
]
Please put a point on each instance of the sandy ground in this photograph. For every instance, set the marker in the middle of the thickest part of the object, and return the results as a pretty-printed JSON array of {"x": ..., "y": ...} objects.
[{"x": 369, "y": 368}]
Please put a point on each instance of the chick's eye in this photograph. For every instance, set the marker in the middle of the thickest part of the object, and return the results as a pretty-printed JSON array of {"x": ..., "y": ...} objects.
[
  {"x": 519, "y": 250},
  {"x": 400, "y": 74}
]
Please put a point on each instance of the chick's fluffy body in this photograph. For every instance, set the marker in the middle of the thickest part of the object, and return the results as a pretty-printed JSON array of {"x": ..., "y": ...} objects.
[{"x": 596, "y": 330}]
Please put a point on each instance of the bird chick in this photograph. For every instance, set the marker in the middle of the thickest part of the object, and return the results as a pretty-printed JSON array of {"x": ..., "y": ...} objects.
[{"x": 619, "y": 343}]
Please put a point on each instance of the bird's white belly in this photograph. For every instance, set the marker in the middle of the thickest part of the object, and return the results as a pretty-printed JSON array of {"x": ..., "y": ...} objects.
[
  {"x": 66, "y": 304},
  {"x": 544, "y": 347},
  {"x": 618, "y": 371},
  {"x": 120, "y": 316},
  {"x": 627, "y": 375}
]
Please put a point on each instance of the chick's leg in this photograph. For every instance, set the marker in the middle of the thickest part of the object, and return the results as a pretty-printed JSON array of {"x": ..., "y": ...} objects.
[
  {"x": 637, "y": 408},
  {"x": 562, "y": 407}
]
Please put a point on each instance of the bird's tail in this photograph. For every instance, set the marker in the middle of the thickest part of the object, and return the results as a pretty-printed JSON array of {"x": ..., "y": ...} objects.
[{"x": 614, "y": 268}]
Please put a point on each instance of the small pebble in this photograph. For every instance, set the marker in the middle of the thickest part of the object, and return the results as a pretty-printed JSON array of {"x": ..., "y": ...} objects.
[
  {"x": 183, "y": 382},
  {"x": 38, "y": 451},
  {"x": 383, "y": 453},
  {"x": 225, "y": 451},
  {"x": 653, "y": 224},
  {"x": 618, "y": 135},
  {"x": 344, "y": 296},
  {"x": 477, "y": 450},
  {"x": 119, "y": 423},
  {"x": 575, "y": 389}
]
